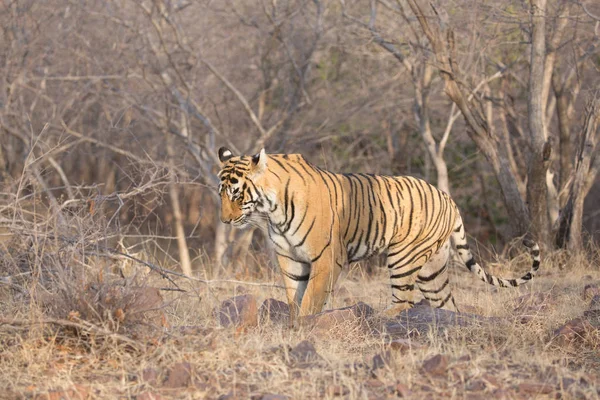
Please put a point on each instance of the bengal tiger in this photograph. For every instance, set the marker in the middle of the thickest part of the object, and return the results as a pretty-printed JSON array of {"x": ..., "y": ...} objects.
[{"x": 319, "y": 221}]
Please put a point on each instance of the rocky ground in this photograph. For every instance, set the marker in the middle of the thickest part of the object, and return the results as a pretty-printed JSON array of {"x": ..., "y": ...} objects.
[{"x": 230, "y": 340}]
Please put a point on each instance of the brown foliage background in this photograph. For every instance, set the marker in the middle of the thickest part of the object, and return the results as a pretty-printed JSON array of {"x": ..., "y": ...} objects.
[{"x": 106, "y": 103}]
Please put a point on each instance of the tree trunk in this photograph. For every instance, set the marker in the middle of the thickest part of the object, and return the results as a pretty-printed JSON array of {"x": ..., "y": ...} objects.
[
  {"x": 570, "y": 230},
  {"x": 564, "y": 136},
  {"x": 184, "y": 252},
  {"x": 537, "y": 190},
  {"x": 220, "y": 246},
  {"x": 422, "y": 87}
]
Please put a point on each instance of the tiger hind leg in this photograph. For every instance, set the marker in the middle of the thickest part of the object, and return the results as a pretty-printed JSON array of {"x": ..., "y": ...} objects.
[
  {"x": 403, "y": 277},
  {"x": 433, "y": 280}
]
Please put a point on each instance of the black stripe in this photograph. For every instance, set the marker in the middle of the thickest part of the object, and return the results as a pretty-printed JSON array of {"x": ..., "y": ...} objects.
[
  {"x": 278, "y": 177},
  {"x": 306, "y": 234},
  {"x": 462, "y": 247},
  {"x": 298, "y": 278},
  {"x": 432, "y": 276},
  {"x": 309, "y": 173},
  {"x": 298, "y": 172},
  {"x": 445, "y": 300},
  {"x": 288, "y": 257},
  {"x": 348, "y": 220},
  {"x": 279, "y": 163},
  {"x": 400, "y": 301},
  {"x": 434, "y": 291},
  {"x": 322, "y": 251},
  {"x": 403, "y": 288},
  {"x": 470, "y": 262},
  {"x": 357, "y": 209},
  {"x": 301, "y": 221},
  {"x": 404, "y": 274},
  {"x": 292, "y": 215},
  {"x": 355, "y": 249}
]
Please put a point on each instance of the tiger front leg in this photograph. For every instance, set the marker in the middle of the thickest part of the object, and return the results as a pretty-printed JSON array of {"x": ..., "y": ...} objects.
[
  {"x": 323, "y": 275},
  {"x": 295, "y": 278}
]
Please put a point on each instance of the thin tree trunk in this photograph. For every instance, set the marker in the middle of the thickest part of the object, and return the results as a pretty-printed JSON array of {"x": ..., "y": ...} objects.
[
  {"x": 184, "y": 252},
  {"x": 220, "y": 246},
  {"x": 570, "y": 230},
  {"x": 537, "y": 190},
  {"x": 422, "y": 87},
  {"x": 564, "y": 134}
]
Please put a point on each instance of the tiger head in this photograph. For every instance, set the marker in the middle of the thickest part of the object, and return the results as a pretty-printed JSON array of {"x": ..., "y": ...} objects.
[{"x": 240, "y": 190}]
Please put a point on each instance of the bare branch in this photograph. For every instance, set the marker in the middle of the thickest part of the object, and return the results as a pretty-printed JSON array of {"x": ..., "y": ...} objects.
[{"x": 585, "y": 9}]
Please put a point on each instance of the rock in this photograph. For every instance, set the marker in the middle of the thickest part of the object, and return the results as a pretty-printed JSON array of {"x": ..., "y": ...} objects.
[
  {"x": 374, "y": 383},
  {"x": 465, "y": 358},
  {"x": 436, "y": 365},
  {"x": 239, "y": 311},
  {"x": 382, "y": 360},
  {"x": 575, "y": 330},
  {"x": 304, "y": 355},
  {"x": 180, "y": 376},
  {"x": 491, "y": 380},
  {"x": 401, "y": 390},
  {"x": 502, "y": 393},
  {"x": 418, "y": 321},
  {"x": 470, "y": 309},
  {"x": 534, "y": 388},
  {"x": 477, "y": 385},
  {"x": 593, "y": 316},
  {"x": 274, "y": 311},
  {"x": 239, "y": 289},
  {"x": 77, "y": 392},
  {"x": 590, "y": 290},
  {"x": 269, "y": 396},
  {"x": 595, "y": 302},
  {"x": 150, "y": 375},
  {"x": 353, "y": 317},
  {"x": 337, "y": 390},
  {"x": 565, "y": 383},
  {"x": 149, "y": 396}
]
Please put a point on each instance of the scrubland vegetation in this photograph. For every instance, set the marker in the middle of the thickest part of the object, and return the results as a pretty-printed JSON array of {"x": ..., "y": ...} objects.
[{"x": 118, "y": 281}]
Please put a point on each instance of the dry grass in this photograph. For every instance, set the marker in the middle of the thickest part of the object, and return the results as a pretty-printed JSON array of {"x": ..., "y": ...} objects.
[{"x": 72, "y": 326}]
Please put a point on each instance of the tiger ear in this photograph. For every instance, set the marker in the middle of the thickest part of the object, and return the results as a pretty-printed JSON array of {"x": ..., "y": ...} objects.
[
  {"x": 224, "y": 154},
  {"x": 259, "y": 162}
]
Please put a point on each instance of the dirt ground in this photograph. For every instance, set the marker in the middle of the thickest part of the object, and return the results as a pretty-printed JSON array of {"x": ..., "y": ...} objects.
[{"x": 107, "y": 337}]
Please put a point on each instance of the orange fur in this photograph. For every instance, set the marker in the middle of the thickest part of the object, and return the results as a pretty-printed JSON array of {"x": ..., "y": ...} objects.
[{"x": 319, "y": 221}]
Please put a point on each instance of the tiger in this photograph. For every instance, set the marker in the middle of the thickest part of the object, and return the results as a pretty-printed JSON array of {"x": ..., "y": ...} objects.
[{"x": 319, "y": 221}]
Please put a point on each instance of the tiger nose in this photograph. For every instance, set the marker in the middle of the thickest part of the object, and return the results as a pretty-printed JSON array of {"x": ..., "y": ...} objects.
[{"x": 226, "y": 220}]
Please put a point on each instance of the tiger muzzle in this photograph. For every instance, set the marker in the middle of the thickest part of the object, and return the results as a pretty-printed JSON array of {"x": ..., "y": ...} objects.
[{"x": 226, "y": 220}]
